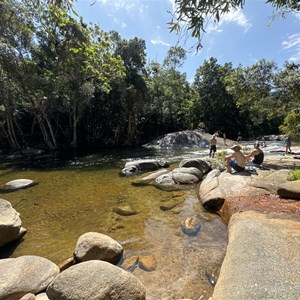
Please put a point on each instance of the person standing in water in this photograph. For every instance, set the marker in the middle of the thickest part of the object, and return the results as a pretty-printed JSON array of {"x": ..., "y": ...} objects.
[{"x": 212, "y": 146}]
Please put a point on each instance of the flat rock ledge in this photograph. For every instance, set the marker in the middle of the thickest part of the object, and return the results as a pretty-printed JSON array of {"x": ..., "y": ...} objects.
[
  {"x": 262, "y": 259},
  {"x": 263, "y": 215}
]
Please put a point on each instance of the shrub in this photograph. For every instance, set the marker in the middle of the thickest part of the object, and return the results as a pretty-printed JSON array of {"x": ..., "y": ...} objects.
[{"x": 294, "y": 175}]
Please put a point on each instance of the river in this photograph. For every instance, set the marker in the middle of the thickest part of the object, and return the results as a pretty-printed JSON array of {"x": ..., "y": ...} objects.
[{"x": 76, "y": 193}]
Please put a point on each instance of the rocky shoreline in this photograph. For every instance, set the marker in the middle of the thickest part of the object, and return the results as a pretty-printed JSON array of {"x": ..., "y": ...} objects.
[{"x": 263, "y": 216}]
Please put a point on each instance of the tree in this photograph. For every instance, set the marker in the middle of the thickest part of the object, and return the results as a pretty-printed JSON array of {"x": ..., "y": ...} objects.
[
  {"x": 132, "y": 89},
  {"x": 215, "y": 107},
  {"x": 291, "y": 124},
  {"x": 168, "y": 93},
  {"x": 192, "y": 15},
  {"x": 78, "y": 61},
  {"x": 254, "y": 90}
]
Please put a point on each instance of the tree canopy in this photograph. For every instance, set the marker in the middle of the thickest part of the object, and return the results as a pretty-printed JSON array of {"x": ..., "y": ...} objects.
[{"x": 65, "y": 83}]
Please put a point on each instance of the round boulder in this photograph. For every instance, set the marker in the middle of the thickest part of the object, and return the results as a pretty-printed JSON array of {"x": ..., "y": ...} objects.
[
  {"x": 25, "y": 274},
  {"x": 10, "y": 223},
  {"x": 96, "y": 280},
  {"x": 97, "y": 246},
  {"x": 200, "y": 164}
]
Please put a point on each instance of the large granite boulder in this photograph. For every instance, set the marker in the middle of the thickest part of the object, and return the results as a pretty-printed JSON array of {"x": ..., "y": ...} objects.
[
  {"x": 25, "y": 274},
  {"x": 10, "y": 223},
  {"x": 180, "y": 139},
  {"x": 96, "y": 280},
  {"x": 262, "y": 258},
  {"x": 94, "y": 245},
  {"x": 217, "y": 186},
  {"x": 143, "y": 165}
]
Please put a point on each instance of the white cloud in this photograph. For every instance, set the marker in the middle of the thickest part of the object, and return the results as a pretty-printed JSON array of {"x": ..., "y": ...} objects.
[
  {"x": 120, "y": 4},
  {"x": 236, "y": 17},
  {"x": 293, "y": 43},
  {"x": 157, "y": 42},
  {"x": 296, "y": 15}
]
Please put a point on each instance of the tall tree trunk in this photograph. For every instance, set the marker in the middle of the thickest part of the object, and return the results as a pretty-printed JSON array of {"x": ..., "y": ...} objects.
[
  {"x": 46, "y": 137},
  {"x": 75, "y": 122},
  {"x": 11, "y": 135}
]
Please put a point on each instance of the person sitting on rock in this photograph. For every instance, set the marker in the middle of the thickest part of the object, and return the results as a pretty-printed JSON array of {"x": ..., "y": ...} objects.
[
  {"x": 257, "y": 154},
  {"x": 236, "y": 160}
]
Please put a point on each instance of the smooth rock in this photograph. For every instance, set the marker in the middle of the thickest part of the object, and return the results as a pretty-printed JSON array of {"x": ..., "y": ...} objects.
[
  {"x": 96, "y": 280},
  {"x": 191, "y": 226},
  {"x": 10, "y": 223},
  {"x": 200, "y": 164},
  {"x": 148, "y": 179},
  {"x": 189, "y": 170},
  {"x": 42, "y": 296},
  {"x": 94, "y": 245},
  {"x": 289, "y": 189},
  {"x": 28, "y": 296},
  {"x": 25, "y": 274},
  {"x": 124, "y": 210},
  {"x": 130, "y": 263},
  {"x": 147, "y": 262},
  {"x": 262, "y": 259},
  {"x": 19, "y": 184}
]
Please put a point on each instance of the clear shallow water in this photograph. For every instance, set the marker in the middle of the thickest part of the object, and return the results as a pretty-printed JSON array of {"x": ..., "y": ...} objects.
[{"x": 77, "y": 194}]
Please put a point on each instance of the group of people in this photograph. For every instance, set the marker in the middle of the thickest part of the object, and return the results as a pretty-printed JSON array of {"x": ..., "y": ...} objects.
[{"x": 238, "y": 161}]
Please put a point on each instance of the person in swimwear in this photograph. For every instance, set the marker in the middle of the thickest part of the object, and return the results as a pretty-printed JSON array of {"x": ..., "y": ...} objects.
[
  {"x": 236, "y": 160},
  {"x": 257, "y": 154},
  {"x": 212, "y": 146}
]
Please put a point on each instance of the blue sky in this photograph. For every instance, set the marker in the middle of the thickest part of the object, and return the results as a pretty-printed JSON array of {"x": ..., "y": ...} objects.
[{"x": 241, "y": 37}]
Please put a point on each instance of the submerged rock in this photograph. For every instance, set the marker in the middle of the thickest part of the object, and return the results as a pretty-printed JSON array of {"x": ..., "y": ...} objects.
[
  {"x": 125, "y": 210},
  {"x": 191, "y": 226}
]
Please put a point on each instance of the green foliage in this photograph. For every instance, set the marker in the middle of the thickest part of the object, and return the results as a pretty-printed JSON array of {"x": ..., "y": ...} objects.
[
  {"x": 213, "y": 104},
  {"x": 219, "y": 162},
  {"x": 294, "y": 175},
  {"x": 291, "y": 125}
]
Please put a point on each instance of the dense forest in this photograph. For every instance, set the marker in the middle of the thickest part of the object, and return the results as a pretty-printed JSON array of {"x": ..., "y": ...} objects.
[{"x": 65, "y": 83}]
